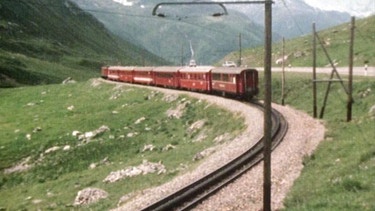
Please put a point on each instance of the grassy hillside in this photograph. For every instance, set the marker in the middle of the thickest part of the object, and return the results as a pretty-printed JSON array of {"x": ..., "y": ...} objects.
[
  {"x": 37, "y": 127},
  {"x": 45, "y": 42},
  {"x": 336, "y": 41},
  {"x": 340, "y": 174}
]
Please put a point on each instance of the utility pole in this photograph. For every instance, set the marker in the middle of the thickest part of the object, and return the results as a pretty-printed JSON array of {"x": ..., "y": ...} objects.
[
  {"x": 315, "y": 108},
  {"x": 267, "y": 106},
  {"x": 283, "y": 76},
  {"x": 240, "y": 44},
  {"x": 182, "y": 54},
  {"x": 350, "y": 85}
]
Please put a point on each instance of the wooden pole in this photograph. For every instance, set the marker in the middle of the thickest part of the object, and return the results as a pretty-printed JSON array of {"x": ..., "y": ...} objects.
[
  {"x": 240, "y": 43},
  {"x": 350, "y": 84},
  {"x": 334, "y": 70},
  {"x": 315, "y": 108},
  {"x": 267, "y": 106},
  {"x": 283, "y": 76}
]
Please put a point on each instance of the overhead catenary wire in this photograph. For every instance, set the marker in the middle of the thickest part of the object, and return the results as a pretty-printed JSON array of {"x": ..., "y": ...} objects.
[{"x": 293, "y": 19}]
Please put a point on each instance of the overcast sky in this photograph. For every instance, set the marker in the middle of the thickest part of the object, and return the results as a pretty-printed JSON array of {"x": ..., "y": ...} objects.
[{"x": 354, "y": 7}]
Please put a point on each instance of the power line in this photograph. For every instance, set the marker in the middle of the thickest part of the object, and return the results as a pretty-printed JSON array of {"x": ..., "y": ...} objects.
[{"x": 295, "y": 22}]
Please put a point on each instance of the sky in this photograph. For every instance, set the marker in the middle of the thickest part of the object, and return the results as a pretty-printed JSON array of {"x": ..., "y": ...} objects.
[{"x": 354, "y": 7}]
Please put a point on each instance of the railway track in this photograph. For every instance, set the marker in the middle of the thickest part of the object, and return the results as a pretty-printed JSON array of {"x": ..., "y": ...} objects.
[{"x": 191, "y": 195}]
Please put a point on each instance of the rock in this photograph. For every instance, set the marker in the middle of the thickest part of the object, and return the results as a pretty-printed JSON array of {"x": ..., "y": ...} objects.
[
  {"x": 70, "y": 108},
  {"x": 170, "y": 98},
  {"x": 129, "y": 135},
  {"x": 142, "y": 169},
  {"x": 92, "y": 165},
  {"x": 37, "y": 201},
  {"x": 372, "y": 111},
  {"x": 140, "y": 120},
  {"x": 20, "y": 167},
  {"x": 69, "y": 80},
  {"x": 28, "y": 136},
  {"x": 203, "y": 154},
  {"x": 52, "y": 149},
  {"x": 89, "y": 196},
  {"x": 179, "y": 110},
  {"x": 148, "y": 147},
  {"x": 105, "y": 161},
  {"x": 37, "y": 129},
  {"x": 220, "y": 139},
  {"x": 169, "y": 147},
  {"x": 196, "y": 125},
  {"x": 76, "y": 133},
  {"x": 88, "y": 136},
  {"x": 66, "y": 147}
]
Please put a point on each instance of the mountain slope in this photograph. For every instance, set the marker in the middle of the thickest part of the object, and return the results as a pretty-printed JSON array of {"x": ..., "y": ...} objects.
[
  {"x": 170, "y": 37},
  {"x": 293, "y": 18},
  {"x": 45, "y": 42},
  {"x": 336, "y": 41}
]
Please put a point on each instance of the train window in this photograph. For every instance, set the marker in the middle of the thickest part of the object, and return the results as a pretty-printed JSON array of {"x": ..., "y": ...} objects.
[
  {"x": 225, "y": 77},
  {"x": 164, "y": 75},
  {"x": 216, "y": 77}
]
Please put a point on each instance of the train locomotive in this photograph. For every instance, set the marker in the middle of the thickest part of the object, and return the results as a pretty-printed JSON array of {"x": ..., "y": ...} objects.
[{"x": 226, "y": 81}]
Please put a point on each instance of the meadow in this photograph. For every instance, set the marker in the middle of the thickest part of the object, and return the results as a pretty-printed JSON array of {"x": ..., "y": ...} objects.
[
  {"x": 35, "y": 120},
  {"x": 49, "y": 148},
  {"x": 340, "y": 174}
]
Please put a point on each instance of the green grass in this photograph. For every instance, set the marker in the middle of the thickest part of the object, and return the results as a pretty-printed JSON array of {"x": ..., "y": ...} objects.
[
  {"x": 340, "y": 174},
  {"x": 56, "y": 177}
]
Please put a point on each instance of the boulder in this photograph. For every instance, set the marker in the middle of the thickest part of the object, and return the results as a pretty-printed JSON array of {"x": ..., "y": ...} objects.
[{"x": 89, "y": 196}]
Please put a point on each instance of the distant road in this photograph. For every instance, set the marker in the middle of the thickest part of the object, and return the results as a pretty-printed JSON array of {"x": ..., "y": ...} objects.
[{"x": 359, "y": 71}]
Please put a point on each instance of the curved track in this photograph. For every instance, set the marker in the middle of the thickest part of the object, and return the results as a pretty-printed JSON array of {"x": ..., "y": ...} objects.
[{"x": 191, "y": 195}]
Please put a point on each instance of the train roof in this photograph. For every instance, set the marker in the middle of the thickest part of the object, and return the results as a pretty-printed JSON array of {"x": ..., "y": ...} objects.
[
  {"x": 197, "y": 69},
  {"x": 122, "y": 68},
  {"x": 167, "y": 69},
  {"x": 230, "y": 70},
  {"x": 143, "y": 68}
]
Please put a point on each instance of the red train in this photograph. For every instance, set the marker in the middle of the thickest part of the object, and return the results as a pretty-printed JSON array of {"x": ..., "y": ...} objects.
[{"x": 232, "y": 81}]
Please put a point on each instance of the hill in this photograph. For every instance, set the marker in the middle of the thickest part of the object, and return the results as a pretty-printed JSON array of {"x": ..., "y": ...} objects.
[
  {"x": 51, "y": 146},
  {"x": 45, "y": 42},
  {"x": 336, "y": 41},
  {"x": 170, "y": 37},
  {"x": 292, "y": 18}
]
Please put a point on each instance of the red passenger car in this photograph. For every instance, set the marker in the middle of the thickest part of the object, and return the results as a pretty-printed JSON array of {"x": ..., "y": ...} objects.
[
  {"x": 235, "y": 81},
  {"x": 126, "y": 73},
  {"x": 104, "y": 72},
  {"x": 113, "y": 73},
  {"x": 143, "y": 75},
  {"x": 167, "y": 76},
  {"x": 196, "y": 78}
]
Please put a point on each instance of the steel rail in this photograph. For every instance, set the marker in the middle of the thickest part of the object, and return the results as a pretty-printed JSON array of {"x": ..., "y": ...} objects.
[{"x": 189, "y": 196}]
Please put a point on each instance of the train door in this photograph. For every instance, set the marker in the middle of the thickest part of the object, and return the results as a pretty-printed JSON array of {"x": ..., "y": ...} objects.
[{"x": 251, "y": 81}]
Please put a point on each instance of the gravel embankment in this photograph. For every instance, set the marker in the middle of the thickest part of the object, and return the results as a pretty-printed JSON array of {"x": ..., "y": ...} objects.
[{"x": 245, "y": 193}]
